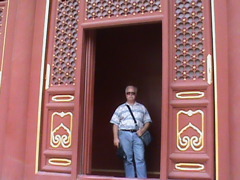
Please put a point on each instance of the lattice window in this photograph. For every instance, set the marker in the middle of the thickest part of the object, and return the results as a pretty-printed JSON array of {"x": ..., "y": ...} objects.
[
  {"x": 115, "y": 8},
  {"x": 65, "y": 47},
  {"x": 1, "y": 19},
  {"x": 189, "y": 40}
]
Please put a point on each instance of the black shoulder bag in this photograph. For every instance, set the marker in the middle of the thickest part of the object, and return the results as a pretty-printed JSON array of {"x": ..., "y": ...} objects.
[{"x": 146, "y": 137}]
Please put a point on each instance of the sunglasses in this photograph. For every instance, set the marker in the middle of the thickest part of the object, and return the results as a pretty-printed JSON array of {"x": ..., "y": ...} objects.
[{"x": 132, "y": 93}]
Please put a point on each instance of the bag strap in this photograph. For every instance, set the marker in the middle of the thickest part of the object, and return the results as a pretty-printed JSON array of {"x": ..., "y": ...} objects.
[{"x": 132, "y": 114}]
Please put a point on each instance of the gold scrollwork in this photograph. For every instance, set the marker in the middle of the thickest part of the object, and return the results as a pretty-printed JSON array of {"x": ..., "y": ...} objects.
[
  {"x": 58, "y": 139},
  {"x": 62, "y": 98},
  {"x": 196, "y": 142},
  {"x": 189, "y": 166},
  {"x": 190, "y": 95},
  {"x": 59, "y": 162}
]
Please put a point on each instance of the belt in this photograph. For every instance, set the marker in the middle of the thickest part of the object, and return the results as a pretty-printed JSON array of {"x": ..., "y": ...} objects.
[{"x": 130, "y": 130}]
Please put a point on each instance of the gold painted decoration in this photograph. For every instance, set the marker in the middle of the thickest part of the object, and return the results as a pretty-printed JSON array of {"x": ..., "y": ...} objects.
[
  {"x": 190, "y": 95},
  {"x": 215, "y": 79},
  {"x": 189, "y": 166},
  {"x": 60, "y": 162},
  {"x": 61, "y": 134},
  {"x": 62, "y": 98},
  {"x": 189, "y": 134}
]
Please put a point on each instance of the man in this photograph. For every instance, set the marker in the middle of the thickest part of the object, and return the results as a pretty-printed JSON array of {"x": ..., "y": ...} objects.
[{"x": 127, "y": 133}]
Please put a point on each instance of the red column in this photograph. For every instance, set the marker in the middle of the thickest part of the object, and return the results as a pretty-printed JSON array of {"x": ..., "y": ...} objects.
[
  {"x": 19, "y": 56},
  {"x": 234, "y": 86},
  {"x": 222, "y": 139},
  {"x": 4, "y": 88}
]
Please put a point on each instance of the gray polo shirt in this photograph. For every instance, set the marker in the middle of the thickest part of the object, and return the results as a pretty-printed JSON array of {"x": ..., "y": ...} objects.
[{"x": 122, "y": 117}]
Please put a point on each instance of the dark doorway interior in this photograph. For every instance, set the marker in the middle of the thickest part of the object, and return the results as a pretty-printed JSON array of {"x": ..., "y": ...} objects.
[{"x": 124, "y": 56}]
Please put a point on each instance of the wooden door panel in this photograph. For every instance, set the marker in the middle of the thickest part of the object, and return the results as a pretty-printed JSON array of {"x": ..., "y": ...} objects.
[
  {"x": 59, "y": 93},
  {"x": 191, "y": 130}
]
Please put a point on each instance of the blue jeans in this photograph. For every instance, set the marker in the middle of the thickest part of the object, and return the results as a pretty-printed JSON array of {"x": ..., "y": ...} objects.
[{"x": 135, "y": 151}]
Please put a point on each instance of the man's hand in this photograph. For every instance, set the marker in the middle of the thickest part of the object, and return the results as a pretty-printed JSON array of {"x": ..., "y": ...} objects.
[
  {"x": 116, "y": 142},
  {"x": 140, "y": 132}
]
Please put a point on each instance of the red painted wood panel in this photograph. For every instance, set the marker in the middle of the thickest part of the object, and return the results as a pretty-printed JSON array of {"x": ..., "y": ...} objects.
[
  {"x": 59, "y": 93},
  {"x": 191, "y": 115}
]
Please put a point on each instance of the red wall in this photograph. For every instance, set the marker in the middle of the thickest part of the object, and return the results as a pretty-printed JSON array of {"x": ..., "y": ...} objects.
[
  {"x": 228, "y": 85},
  {"x": 15, "y": 88},
  {"x": 222, "y": 136},
  {"x": 234, "y": 85}
]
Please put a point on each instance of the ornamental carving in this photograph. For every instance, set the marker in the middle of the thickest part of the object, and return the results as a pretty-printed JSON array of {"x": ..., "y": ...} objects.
[
  {"x": 189, "y": 166},
  {"x": 190, "y": 95},
  {"x": 59, "y": 162},
  {"x": 190, "y": 135},
  {"x": 65, "y": 45},
  {"x": 114, "y": 8},
  {"x": 62, "y": 98},
  {"x": 61, "y": 130},
  {"x": 190, "y": 62}
]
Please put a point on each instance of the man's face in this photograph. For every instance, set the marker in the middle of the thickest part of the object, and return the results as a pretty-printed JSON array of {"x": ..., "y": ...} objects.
[{"x": 131, "y": 94}]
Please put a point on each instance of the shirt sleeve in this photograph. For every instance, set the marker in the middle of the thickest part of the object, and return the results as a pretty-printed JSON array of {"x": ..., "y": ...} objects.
[
  {"x": 146, "y": 116},
  {"x": 115, "y": 117}
]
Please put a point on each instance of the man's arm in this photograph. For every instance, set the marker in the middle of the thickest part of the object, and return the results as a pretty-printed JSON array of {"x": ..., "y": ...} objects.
[{"x": 115, "y": 136}]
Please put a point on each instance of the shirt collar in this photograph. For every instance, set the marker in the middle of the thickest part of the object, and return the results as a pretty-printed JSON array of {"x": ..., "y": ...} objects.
[{"x": 136, "y": 103}]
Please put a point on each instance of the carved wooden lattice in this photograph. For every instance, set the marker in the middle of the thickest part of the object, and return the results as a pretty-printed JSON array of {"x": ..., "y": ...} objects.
[
  {"x": 1, "y": 24},
  {"x": 1, "y": 18},
  {"x": 115, "y": 8},
  {"x": 1, "y": 21},
  {"x": 189, "y": 40},
  {"x": 63, "y": 66}
]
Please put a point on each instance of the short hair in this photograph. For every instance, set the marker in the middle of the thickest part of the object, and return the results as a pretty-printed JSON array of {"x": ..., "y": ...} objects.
[{"x": 131, "y": 86}]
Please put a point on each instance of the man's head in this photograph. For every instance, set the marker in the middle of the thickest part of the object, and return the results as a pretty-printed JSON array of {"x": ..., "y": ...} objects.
[{"x": 131, "y": 94}]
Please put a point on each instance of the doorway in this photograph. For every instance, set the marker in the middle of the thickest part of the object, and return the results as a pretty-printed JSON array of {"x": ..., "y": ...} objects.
[{"x": 129, "y": 55}]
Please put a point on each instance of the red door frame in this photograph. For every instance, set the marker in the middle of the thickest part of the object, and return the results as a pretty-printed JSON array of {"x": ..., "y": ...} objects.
[{"x": 88, "y": 26}]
